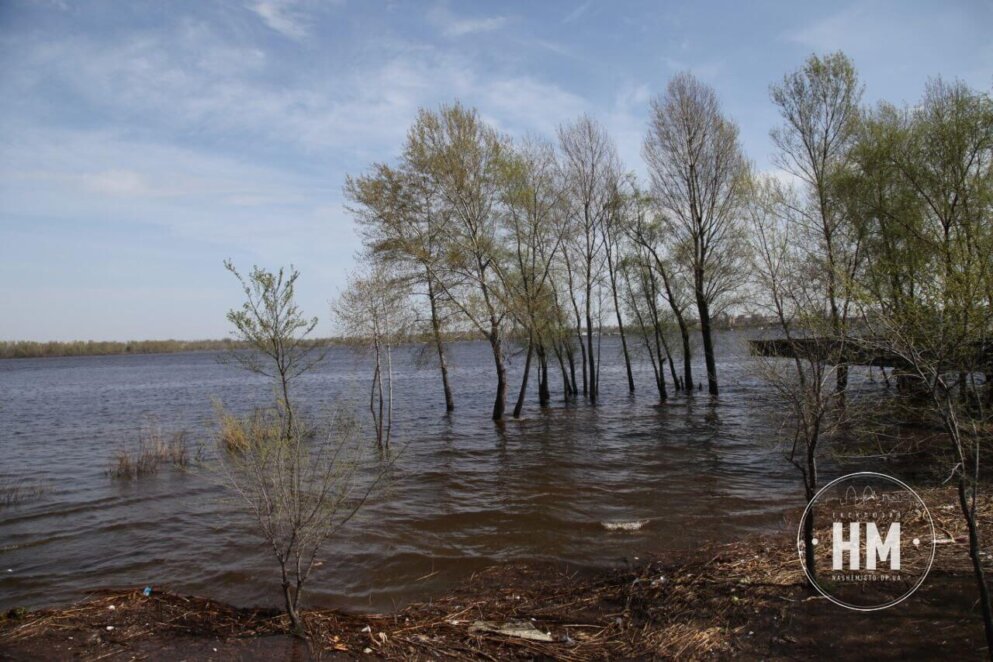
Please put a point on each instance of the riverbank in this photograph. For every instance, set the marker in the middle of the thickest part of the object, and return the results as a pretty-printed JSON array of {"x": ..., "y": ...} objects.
[{"x": 746, "y": 600}]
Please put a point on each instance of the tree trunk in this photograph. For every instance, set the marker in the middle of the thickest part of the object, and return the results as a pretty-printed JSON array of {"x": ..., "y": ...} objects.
[
  {"x": 500, "y": 404},
  {"x": 808, "y": 544},
  {"x": 377, "y": 421},
  {"x": 589, "y": 353},
  {"x": 544, "y": 396},
  {"x": 573, "y": 386},
  {"x": 389, "y": 392},
  {"x": 977, "y": 565},
  {"x": 660, "y": 370},
  {"x": 295, "y": 623},
  {"x": 620, "y": 322},
  {"x": 703, "y": 307},
  {"x": 582, "y": 350},
  {"x": 442, "y": 363},
  {"x": 524, "y": 382},
  {"x": 687, "y": 367}
]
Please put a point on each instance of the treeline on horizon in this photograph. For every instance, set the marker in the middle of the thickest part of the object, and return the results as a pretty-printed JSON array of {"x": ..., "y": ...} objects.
[
  {"x": 30, "y": 349},
  {"x": 26, "y": 349}
]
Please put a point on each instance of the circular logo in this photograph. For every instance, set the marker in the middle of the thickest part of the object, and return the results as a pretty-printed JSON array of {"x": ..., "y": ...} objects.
[{"x": 871, "y": 541}]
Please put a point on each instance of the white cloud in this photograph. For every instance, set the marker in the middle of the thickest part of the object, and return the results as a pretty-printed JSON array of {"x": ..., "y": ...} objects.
[
  {"x": 576, "y": 13},
  {"x": 116, "y": 182},
  {"x": 455, "y": 26},
  {"x": 284, "y": 16}
]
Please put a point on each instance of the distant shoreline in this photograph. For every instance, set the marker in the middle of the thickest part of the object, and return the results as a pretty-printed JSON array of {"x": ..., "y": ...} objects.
[
  {"x": 31, "y": 349},
  {"x": 26, "y": 349}
]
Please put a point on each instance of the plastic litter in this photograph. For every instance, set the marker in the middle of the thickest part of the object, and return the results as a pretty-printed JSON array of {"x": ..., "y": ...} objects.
[
  {"x": 519, "y": 629},
  {"x": 147, "y": 592}
]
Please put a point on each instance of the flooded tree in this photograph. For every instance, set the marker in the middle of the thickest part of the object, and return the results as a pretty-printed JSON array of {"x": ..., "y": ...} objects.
[
  {"x": 591, "y": 170},
  {"x": 375, "y": 309},
  {"x": 622, "y": 200},
  {"x": 462, "y": 159},
  {"x": 275, "y": 330},
  {"x": 532, "y": 204},
  {"x": 400, "y": 216},
  {"x": 699, "y": 175},
  {"x": 666, "y": 275}
]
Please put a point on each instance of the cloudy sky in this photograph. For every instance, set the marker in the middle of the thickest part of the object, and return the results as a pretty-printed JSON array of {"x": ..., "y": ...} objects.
[{"x": 141, "y": 143}]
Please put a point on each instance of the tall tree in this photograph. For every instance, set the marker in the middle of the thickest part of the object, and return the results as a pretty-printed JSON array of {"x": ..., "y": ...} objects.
[
  {"x": 819, "y": 104},
  {"x": 532, "y": 214},
  {"x": 463, "y": 160},
  {"x": 401, "y": 218},
  {"x": 591, "y": 169},
  {"x": 699, "y": 179},
  {"x": 622, "y": 203}
]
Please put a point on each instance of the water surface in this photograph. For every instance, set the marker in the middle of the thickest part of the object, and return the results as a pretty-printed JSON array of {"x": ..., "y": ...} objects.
[{"x": 465, "y": 493}]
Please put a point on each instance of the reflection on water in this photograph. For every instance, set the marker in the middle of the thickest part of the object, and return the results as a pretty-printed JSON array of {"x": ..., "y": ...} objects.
[{"x": 567, "y": 484}]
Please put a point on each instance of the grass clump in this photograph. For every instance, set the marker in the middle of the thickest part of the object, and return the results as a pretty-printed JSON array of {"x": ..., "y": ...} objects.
[
  {"x": 14, "y": 492},
  {"x": 153, "y": 449},
  {"x": 232, "y": 432}
]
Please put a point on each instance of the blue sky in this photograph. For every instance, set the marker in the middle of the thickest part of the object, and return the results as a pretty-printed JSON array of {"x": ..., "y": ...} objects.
[{"x": 141, "y": 143}]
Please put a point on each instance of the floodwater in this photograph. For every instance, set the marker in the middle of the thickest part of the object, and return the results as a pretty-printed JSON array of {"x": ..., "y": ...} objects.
[{"x": 464, "y": 493}]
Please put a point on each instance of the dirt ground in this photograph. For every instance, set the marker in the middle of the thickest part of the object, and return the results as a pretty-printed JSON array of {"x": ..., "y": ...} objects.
[{"x": 747, "y": 600}]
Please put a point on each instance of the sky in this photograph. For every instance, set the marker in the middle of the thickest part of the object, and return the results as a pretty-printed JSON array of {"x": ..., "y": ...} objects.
[{"x": 142, "y": 143}]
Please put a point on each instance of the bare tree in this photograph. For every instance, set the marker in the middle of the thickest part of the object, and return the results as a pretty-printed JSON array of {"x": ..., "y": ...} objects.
[
  {"x": 591, "y": 169},
  {"x": 648, "y": 232},
  {"x": 803, "y": 379},
  {"x": 699, "y": 176},
  {"x": 622, "y": 202}
]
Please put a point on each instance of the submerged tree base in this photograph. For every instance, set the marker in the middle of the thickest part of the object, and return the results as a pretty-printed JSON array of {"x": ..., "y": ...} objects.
[{"x": 747, "y": 599}]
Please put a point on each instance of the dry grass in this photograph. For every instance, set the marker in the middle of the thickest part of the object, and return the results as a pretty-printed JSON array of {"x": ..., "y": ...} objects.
[
  {"x": 153, "y": 449},
  {"x": 15, "y": 491},
  {"x": 232, "y": 432}
]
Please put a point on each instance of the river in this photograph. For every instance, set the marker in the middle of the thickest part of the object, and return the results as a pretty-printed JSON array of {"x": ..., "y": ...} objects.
[{"x": 464, "y": 493}]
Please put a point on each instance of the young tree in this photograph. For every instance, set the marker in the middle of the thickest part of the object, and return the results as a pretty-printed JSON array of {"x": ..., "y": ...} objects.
[
  {"x": 296, "y": 481},
  {"x": 781, "y": 275},
  {"x": 273, "y": 326},
  {"x": 699, "y": 177},
  {"x": 375, "y": 309}
]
